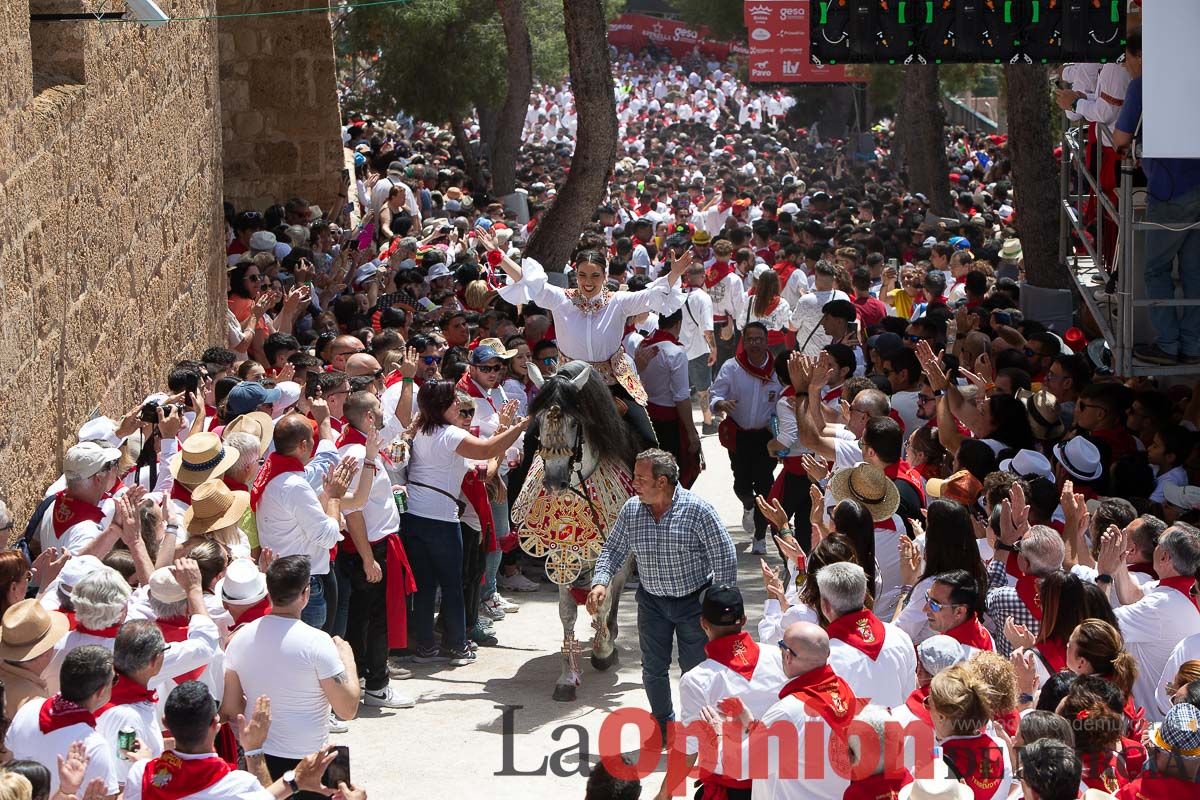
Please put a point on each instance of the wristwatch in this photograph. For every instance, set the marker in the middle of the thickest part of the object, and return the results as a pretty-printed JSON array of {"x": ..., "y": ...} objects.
[
  {"x": 1104, "y": 578},
  {"x": 1011, "y": 548},
  {"x": 289, "y": 778}
]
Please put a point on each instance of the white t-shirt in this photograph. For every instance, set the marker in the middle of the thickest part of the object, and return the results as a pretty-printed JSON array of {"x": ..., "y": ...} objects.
[
  {"x": 697, "y": 318},
  {"x": 143, "y": 718},
  {"x": 26, "y": 740},
  {"x": 237, "y": 783},
  {"x": 286, "y": 660},
  {"x": 905, "y": 404},
  {"x": 435, "y": 463}
]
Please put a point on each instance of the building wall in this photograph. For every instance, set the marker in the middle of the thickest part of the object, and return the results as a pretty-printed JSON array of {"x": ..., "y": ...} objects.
[
  {"x": 279, "y": 105},
  {"x": 111, "y": 239}
]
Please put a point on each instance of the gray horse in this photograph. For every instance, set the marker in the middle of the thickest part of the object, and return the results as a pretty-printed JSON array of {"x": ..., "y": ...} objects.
[{"x": 583, "y": 467}]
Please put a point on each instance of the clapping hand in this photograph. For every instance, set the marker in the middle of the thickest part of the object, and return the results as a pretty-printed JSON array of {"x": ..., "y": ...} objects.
[
  {"x": 1112, "y": 551},
  {"x": 772, "y": 583},
  {"x": 71, "y": 770},
  {"x": 773, "y": 511},
  {"x": 910, "y": 561},
  {"x": 1017, "y": 634},
  {"x": 338, "y": 480},
  {"x": 816, "y": 467},
  {"x": 508, "y": 413},
  {"x": 253, "y": 732}
]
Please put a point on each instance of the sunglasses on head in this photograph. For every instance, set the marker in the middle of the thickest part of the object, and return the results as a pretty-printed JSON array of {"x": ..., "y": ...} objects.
[{"x": 432, "y": 359}]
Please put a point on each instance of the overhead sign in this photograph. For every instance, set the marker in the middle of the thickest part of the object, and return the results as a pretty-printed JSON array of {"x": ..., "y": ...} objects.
[
  {"x": 636, "y": 31},
  {"x": 780, "y": 47}
]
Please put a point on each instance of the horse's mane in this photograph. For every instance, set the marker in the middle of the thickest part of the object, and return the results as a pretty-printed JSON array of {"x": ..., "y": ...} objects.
[{"x": 594, "y": 408}]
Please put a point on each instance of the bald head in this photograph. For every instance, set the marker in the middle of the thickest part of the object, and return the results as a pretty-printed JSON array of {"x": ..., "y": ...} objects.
[
  {"x": 342, "y": 348},
  {"x": 294, "y": 437},
  {"x": 361, "y": 364},
  {"x": 809, "y": 646}
]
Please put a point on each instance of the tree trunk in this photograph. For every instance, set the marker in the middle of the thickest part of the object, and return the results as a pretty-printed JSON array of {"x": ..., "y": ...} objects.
[
  {"x": 1035, "y": 175},
  {"x": 511, "y": 119},
  {"x": 921, "y": 127},
  {"x": 555, "y": 237},
  {"x": 488, "y": 116},
  {"x": 468, "y": 153}
]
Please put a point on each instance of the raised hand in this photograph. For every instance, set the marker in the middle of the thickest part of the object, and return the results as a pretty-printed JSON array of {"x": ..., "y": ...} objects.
[
  {"x": 910, "y": 561},
  {"x": 408, "y": 367},
  {"x": 772, "y": 582},
  {"x": 1017, "y": 634},
  {"x": 773, "y": 511},
  {"x": 186, "y": 573},
  {"x": 816, "y": 467},
  {"x": 72, "y": 769},
  {"x": 338, "y": 480},
  {"x": 253, "y": 732}
]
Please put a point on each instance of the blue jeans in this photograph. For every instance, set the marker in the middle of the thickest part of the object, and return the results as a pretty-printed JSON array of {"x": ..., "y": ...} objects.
[
  {"x": 491, "y": 562},
  {"x": 435, "y": 551},
  {"x": 661, "y": 619},
  {"x": 314, "y": 613},
  {"x": 1178, "y": 329}
]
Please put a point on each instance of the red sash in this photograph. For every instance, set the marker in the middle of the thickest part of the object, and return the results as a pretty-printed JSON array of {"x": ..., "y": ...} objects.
[
  {"x": 126, "y": 692},
  {"x": 175, "y": 629},
  {"x": 1055, "y": 653},
  {"x": 972, "y": 634},
  {"x": 170, "y": 777},
  {"x": 901, "y": 471},
  {"x": 736, "y": 651},
  {"x": 714, "y": 786},
  {"x": 1155, "y": 786},
  {"x": 1027, "y": 590},
  {"x": 256, "y": 611},
  {"x": 181, "y": 493},
  {"x": 400, "y": 584},
  {"x": 916, "y": 704},
  {"x": 1182, "y": 584},
  {"x": 276, "y": 465},
  {"x": 59, "y": 713},
  {"x": 878, "y": 787},
  {"x": 862, "y": 630},
  {"x": 660, "y": 335},
  {"x": 68, "y": 512},
  {"x": 764, "y": 373},
  {"x": 716, "y": 273},
  {"x": 234, "y": 486},
  {"x": 979, "y": 761},
  {"x": 826, "y": 695}
]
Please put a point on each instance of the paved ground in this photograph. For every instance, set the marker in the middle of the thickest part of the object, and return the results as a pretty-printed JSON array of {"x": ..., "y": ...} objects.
[{"x": 459, "y": 736}]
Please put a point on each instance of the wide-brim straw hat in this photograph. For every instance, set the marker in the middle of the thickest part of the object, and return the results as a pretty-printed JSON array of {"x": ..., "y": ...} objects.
[
  {"x": 202, "y": 456},
  {"x": 867, "y": 485},
  {"x": 214, "y": 506},
  {"x": 258, "y": 424},
  {"x": 29, "y": 629}
]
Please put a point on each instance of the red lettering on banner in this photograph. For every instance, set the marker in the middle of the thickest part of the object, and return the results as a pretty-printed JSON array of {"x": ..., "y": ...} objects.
[{"x": 635, "y": 31}]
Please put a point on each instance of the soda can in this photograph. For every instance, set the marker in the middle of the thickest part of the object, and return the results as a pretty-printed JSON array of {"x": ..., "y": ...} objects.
[
  {"x": 481, "y": 471},
  {"x": 127, "y": 738},
  {"x": 401, "y": 498},
  {"x": 474, "y": 431}
]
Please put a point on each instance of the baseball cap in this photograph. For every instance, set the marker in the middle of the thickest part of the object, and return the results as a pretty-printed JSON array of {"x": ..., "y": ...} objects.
[
  {"x": 247, "y": 396},
  {"x": 939, "y": 652},
  {"x": 483, "y": 354},
  {"x": 723, "y": 605},
  {"x": 961, "y": 487},
  {"x": 87, "y": 458},
  {"x": 101, "y": 430},
  {"x": 885, "y": 343}
]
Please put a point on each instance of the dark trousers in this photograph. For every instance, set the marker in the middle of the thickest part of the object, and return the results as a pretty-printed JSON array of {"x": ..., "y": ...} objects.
[
  {"x": 367, "y": 623},
  {"x": 636, "y": 418},
  {"x": 277, "y": 765},
  {"x": 725, "y": 349},
  {"x": 753, "y": 472},
  {"x": 435, "y": 551},
  {"x": 792, "y": 491},
  {"x": 661, "y": 620},
  {"x": 472, "y": 574}
]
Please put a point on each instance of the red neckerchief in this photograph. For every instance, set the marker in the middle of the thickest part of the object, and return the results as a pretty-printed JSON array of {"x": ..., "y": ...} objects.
[
  {"x": 901, "y": 471},
  {"x": 467, "y": 384},
  {"x": 862, "y": 630},
  {"x": 1144, "y": 567},
  {"x": 175, "y": 629},
  {"x": 716, "y": 273},
  {"x": 878, "y": 787},
  {"x": 256, "y": 611},
  {"x": 774, "y": 304},
  {"x": 737, "y": 651},
  {"x": 392, "y": 379},
  {"x": 275, "y": 465},
  {"x": 723, "y": 206},
  {"x": 101, "y": 633},
  {"x": 972, "y": 634},
  {"x": 68, "y": 512},
  {"x": 180, "y": 492},
  {"x": 831, "y": 395},
  {"x": 764, "y": 372},
  {"x": 235, "y": 486},
  {"x": 1182, "y": 584},
  {"x": 126, "y": 692},
  {"x": 1134, "y": 753},
  {"x": 59, "y": 713},
  {"x": 1104, "y": 771},
  {"x": 350, "y": 435},
  {"x": 1156, "y": 786},
  {"x": 170, "y": 777},
  {"x": 1009, "y": 722},
  {"x": 979, "y": 761},
  {"x": 1055, "y": 653},
  {"x": 823, "y": 693},
  {"x": 916, "y": 704},
  {"x": 72, "y": 623},
  {"x": 784, "y": 270},
  {"x": 1027, "y": 591},
  {"x": 660, "y": 335}
]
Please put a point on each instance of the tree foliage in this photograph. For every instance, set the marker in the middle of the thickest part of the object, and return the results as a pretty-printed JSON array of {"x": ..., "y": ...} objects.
[{"x": 723, "y": 18}]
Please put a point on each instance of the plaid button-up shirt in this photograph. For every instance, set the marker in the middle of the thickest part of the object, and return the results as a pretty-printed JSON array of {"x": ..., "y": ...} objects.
[
  {"x": 676, "y": 555},
  {"x": 1002, "y": 603}
]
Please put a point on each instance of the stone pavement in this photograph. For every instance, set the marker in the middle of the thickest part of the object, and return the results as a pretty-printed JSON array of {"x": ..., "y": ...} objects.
[{"x": 459, "y": 736}]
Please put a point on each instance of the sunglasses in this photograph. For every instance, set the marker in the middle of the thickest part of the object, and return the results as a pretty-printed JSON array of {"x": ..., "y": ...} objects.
[
  {"x": 466, "y": 413},
  {"x": 550, "y": 360},
  {"x": 935, "y": 606},
  {"x": 925, "y": 398},
  {"x": 256, "y": 277},
  {"x": 490, "y": 367},
  {"x": 785, "y": 648},
  {"x": 432, "y": 359},
  {"x": 914, "y": 339},
  {"x": 378, "y": 374}
]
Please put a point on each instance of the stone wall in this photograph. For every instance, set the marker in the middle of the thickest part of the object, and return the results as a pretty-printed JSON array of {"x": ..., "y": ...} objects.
[
  {"x": 111, "y": 238},
  {"x": 279, "y": 105}
]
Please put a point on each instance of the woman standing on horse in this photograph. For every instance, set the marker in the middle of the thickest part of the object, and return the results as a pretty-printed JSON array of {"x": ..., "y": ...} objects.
[{"x": 590, "y": 320}]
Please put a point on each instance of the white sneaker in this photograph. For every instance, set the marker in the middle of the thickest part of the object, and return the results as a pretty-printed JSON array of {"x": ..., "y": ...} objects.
[
  {"x": 516, "y": 583},
  {"x": 388, "y": 698},
  {"x": 759, "y": 548},
  {"x": 748, "y": 520},
  {"x": 336, "y": 725},
  {"x": 508, "y": 606},
  {"x": 491, "y": 609}
]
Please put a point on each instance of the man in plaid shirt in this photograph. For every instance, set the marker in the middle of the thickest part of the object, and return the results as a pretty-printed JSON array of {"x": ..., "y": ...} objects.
[
  {"x": 1037, "y": 554},
  {"x": 681, "y": 549}
]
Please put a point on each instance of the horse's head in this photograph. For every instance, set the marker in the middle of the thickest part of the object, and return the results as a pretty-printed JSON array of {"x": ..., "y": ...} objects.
[{"x": 564, "y": 448}]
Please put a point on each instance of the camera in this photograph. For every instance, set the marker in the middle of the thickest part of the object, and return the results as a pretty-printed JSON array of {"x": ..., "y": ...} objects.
[{"x": 149, "y": 412}]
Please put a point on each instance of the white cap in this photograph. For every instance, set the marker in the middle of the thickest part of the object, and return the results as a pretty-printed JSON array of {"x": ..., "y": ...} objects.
[
  {"x": 289, "y": 393},
  {"x": 87, "y": 458},
  {"x": 101, "y": 430},
  {"x": 77, "y": 568},
  {"x": 164, "y": 588},
  {"x": 1185, "y": 497},
  {"x": 939, "y": 652}
]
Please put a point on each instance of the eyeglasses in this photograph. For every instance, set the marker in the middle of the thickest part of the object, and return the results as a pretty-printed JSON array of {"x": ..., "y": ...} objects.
[
  {"x": 378, "y": 374},
  {"x": 914, "y": 338},
  {"x": 256, "y": 277},
  {"x": 1083, "y": 405},
  {"x": 490, "y": 367},
  {"x": 785, "y": 648},
  {"x": 431, "y": 359}
]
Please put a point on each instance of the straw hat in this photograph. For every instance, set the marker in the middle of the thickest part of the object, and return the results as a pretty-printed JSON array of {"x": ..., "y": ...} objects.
[
  {"x": 1011, "y": 250},
  {"x": 202, "y": 457},
  {"x": 870, "y": 487},
  {"x": 498, "y": 346},
  {"x": 164, "y": 588},
  {"x": 214, "y": 506},
  {"x": 1042, "y": 408},
  {"x": 28, "y": 630},
  {"x": 258, "y": 424}
]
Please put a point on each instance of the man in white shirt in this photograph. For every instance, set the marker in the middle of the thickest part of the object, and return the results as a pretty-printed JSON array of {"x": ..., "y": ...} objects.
[
  {"x": 395, "y": 177},
  {"x": 663, "y": 367},
  {"x": 371, "y": 555},
  {"x": 699, "y": 340},
  {"x": 875, "y": 657},
  {"x": 300, "y": 668},
  {"x": 903, "y": 371},
  {"x": 746, "y": 390},
  {"x": 292, "y": 518},
  {"x": 43, "y": 730},
  {"x": 76, "y": 521},
  {"x": 1157, "y": 615},
  {"x": 737, "y": 673},
  {"x": 807, "y": 315}
]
